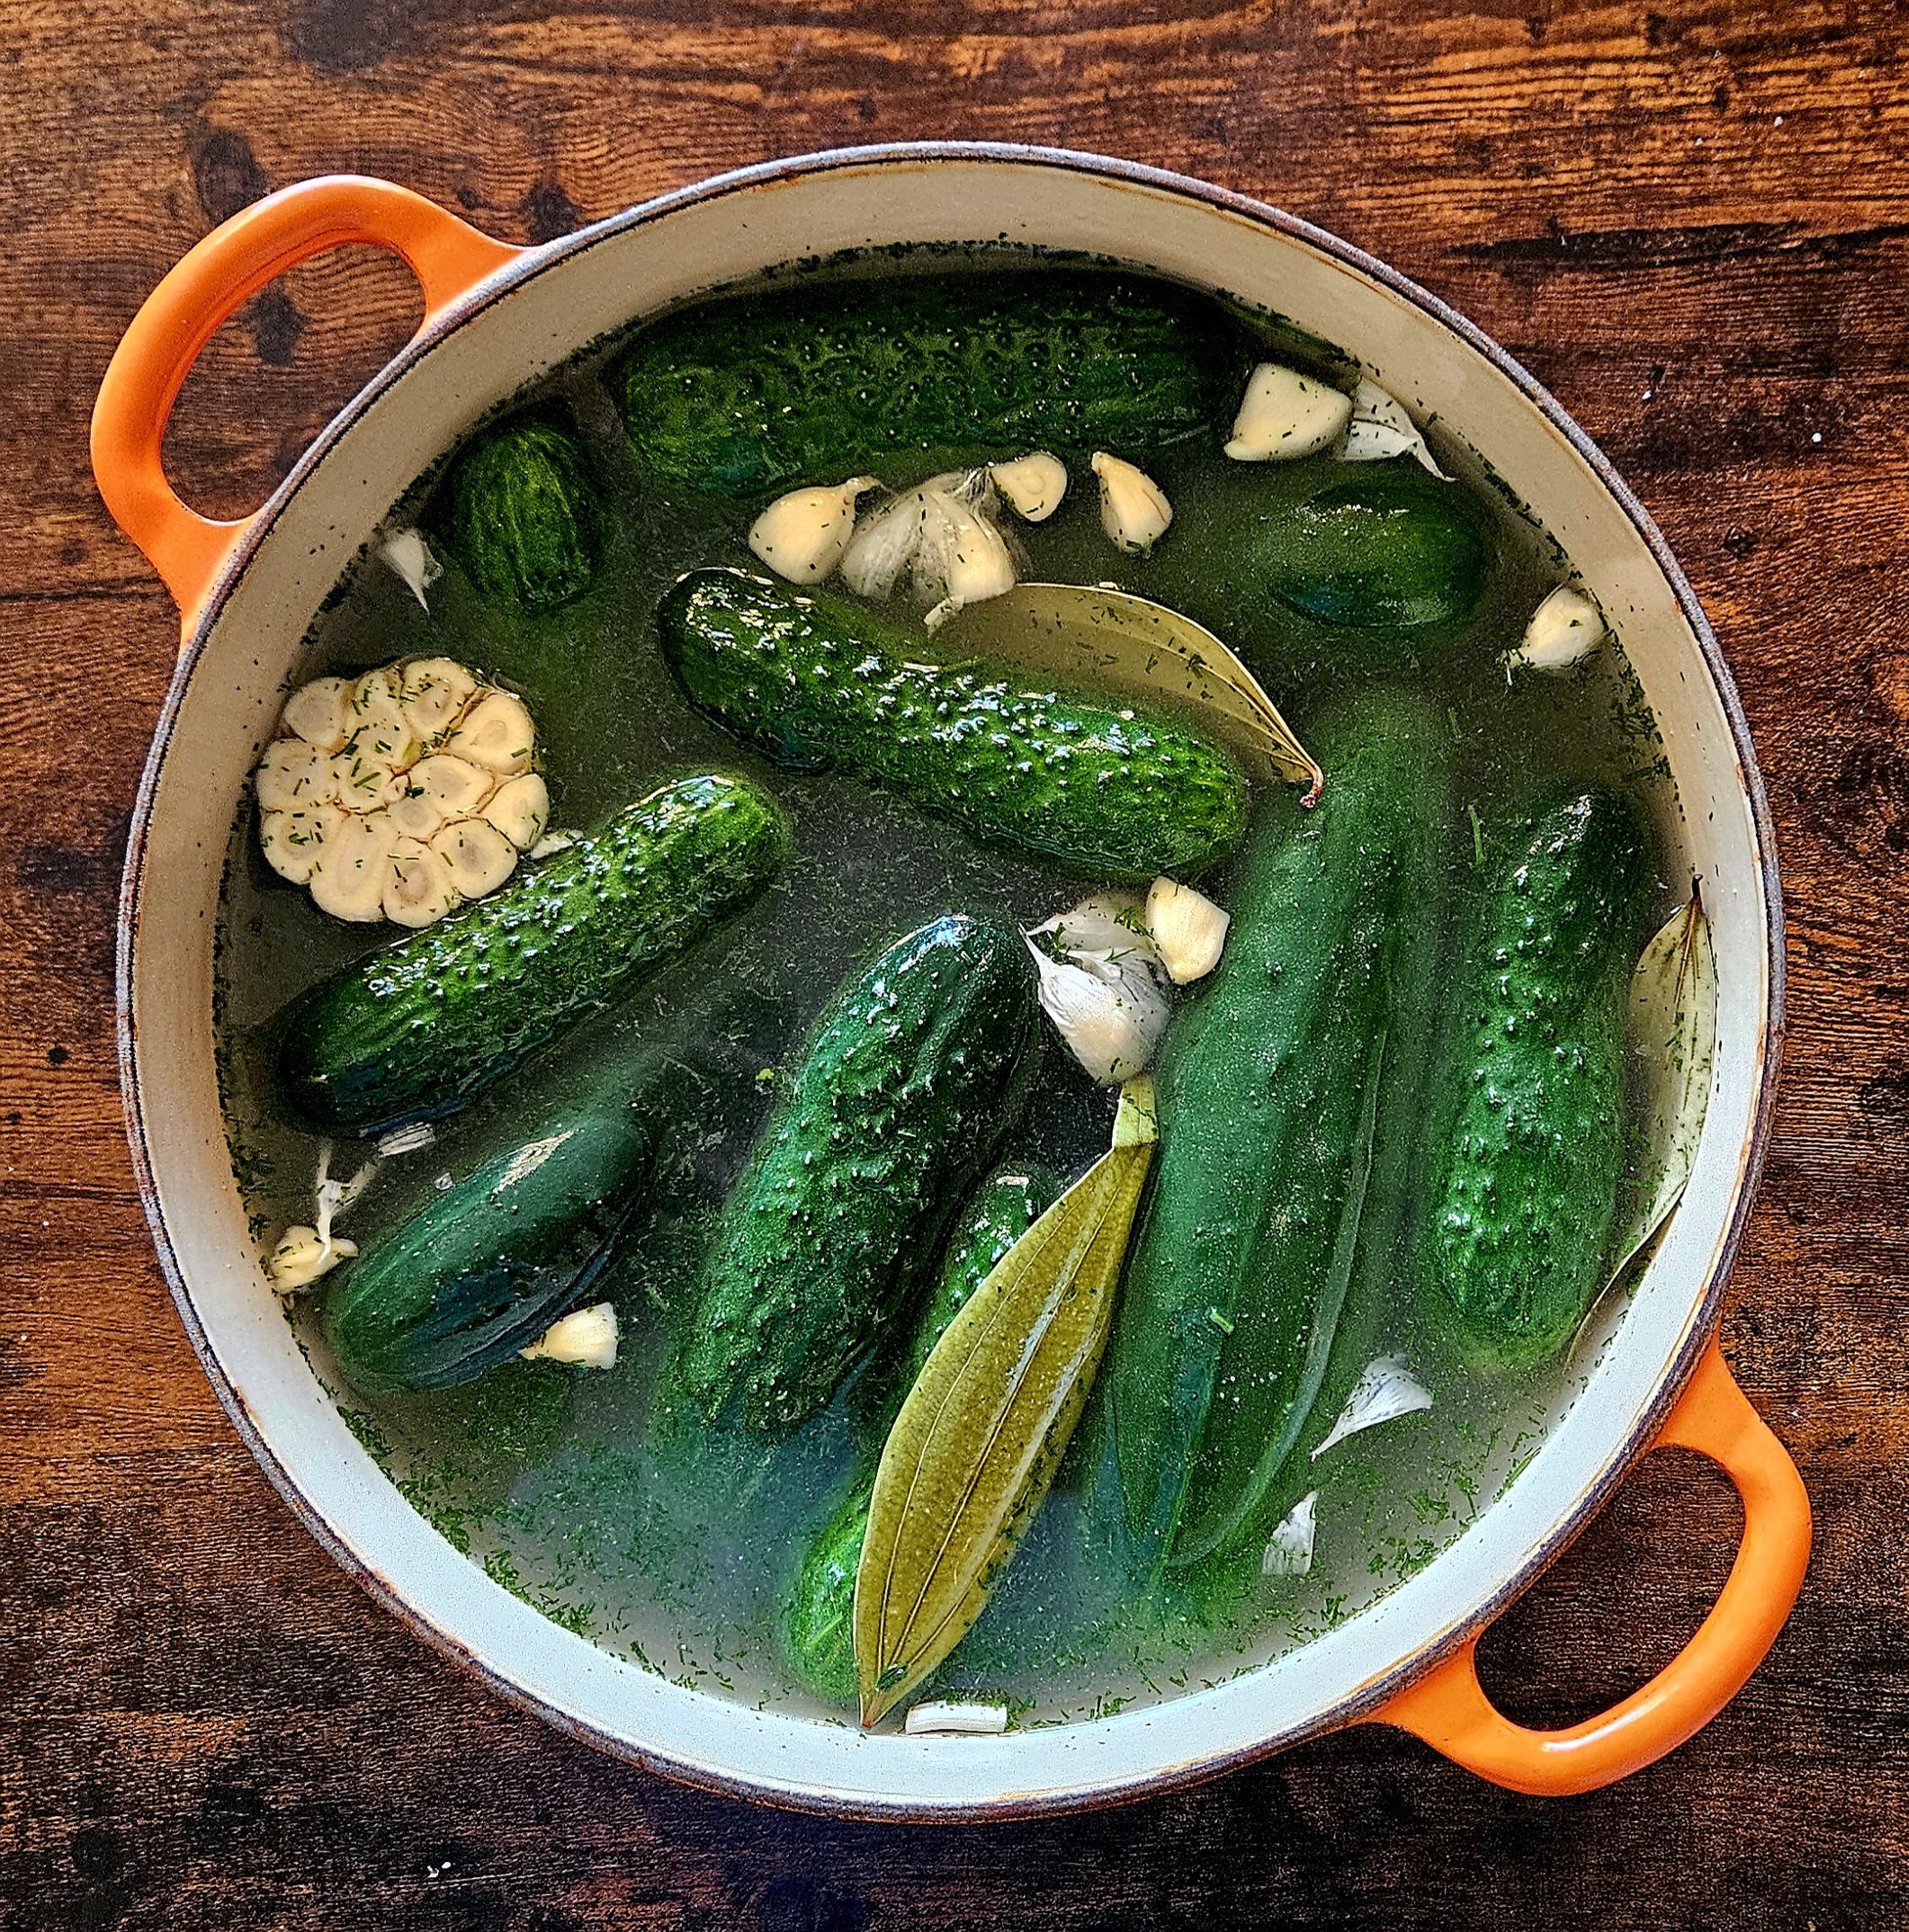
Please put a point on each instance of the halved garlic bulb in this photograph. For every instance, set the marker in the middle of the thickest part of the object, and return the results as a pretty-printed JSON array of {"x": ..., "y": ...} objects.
[
  {"x": 1565, "y": 628},
  {"x": 802, "y": 536},
  {"x": 1189, "y": 930},
  {"x": 1381, "y": 428},
  {"x": 1033, "y": 485},
  {"x": 1286, "y": 415},
  {"x": 1133, "y": 508},
  {"x": 350, "y": 793},
  {"x": 409, "y": 558},
  {"x": 584, "y": 1338}
]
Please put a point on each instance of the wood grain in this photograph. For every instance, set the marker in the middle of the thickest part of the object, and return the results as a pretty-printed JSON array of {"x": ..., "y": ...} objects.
[{"x": 1690, "y": 220}]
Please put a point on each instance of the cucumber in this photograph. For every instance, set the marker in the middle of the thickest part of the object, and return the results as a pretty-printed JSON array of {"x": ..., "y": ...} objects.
[
  {"x": 520, "y": 514},
  {"x": 414, "y": 1029},
  {"x": 1524, "y": 1190},
  {"x": 916, "y": 1069},
  {"x": 763, "y": 391},
  {"x": 814, "y": 680},
  {"x": 1269, "y": 1088},
  {"x": 480, "y": 1272},
  {"x": 818, "y": 1618}
]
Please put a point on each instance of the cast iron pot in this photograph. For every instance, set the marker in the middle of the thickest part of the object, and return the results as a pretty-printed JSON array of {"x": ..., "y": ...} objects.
[{"x": 496, "y": 317}]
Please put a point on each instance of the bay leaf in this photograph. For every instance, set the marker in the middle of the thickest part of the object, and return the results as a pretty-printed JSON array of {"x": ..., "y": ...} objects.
[
  {"x": 1111, "y": 640},
  {"x": 1670, "y": 1031},
  {"x": 976, "y": 1442}
]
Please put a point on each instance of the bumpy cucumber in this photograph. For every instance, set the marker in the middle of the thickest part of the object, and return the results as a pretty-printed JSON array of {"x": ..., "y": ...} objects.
[
  {"x": 917, "y": 1069},
  {"x": 1524, "y": 1190},
  {"x": 520, "y": 514},
  {"x": 1268, "y": 1091},
  {"x": 814, "y": 680},
  {"x": 763, "y": 391},
  {"x": 818, "y": 1620},
  {"x": 480, "y": 1271},
  {"x": 416, "y": 1029}
]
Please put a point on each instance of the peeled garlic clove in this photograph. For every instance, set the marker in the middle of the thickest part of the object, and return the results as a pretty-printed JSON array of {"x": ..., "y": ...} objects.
[
  {"x": 1188, "y": 929},
  {"x": 1565, "y": 628},
  {"x": 1284, "y": 414},
  {"x": 803, "y": 535},
  {"x": 417, "y": 888},
  {"x": 1033, "y": 485},
  {"x": 316, "y": 713},
  {"x": 586, "y": 1339},
  {"x": 519, "y": 808},
  {"x": 415, "y": 815},
  {"x": 478, "y": 856},
  {"x": 455, "y": 786},
  {"x": 496, "y": 732},
  {"x": 361, "y": 781},
  {"x": 433, "y": 694},
  {"x": 1133, "y": 508},
  {"x": 963, "y": 559},
  {"x": 1381, "y": 428},
  {"x": 1111, "y": 1020},
  {"x": 349, "y": 881},
  {"x": 302, "y": 1256},
  {"x": 409, "y": 558},
  {"x": 883, "y": 546},
  {"x": 293, "y": 776},
  {"x": 293, "y": 841}
]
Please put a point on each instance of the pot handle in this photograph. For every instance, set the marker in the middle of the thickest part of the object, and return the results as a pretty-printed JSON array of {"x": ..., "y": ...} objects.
[
  {"x": 178, "y": 319},
  {"x": 1449, "y": 1710}
]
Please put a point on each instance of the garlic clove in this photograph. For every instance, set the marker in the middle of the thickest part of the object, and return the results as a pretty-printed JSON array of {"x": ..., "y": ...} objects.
[
  {"x": 409, "y": 558},
  {"x": 1284, "y": 414},
  {"x": 1033, "y": 485},
  {"x": 349, "y": 881},
  {"x": 374, "y": 712},
  {"x": 1381, "y": 428},
  {"x": 417, "y": 888},
  {"x": 1133, "y": 508},
  {"x": 803, "y": 535},
  {"x": 302, "y": 1256},
  {"x": 1564, "y": 629},
  {"x": 455, "y": 785},
  {"x": 520, "y": 809},
  {"x": 416, "y": 814},
  {"x": 1111, "y": 927},
  {"x": 362, "y": 781},
  {"x": 316, "y": 713},
  {"x": 433, "y": 694},
  {"x": 293, "y": 776},
  {"x": 496, "y": 732},
  {"x": 586, "y": 1339},
  {"x": 1188, "y": 929},
  {"x": 293, "y": 841},
  {"x": 478, "y": 856},
  {"x": 883, "y": 543},
  {"x": 1111, "y": 1018},
  {"x": 962, "y": 558}
]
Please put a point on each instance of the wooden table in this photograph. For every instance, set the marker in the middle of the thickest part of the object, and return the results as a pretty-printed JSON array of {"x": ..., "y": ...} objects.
[{"x": 1692, "y": 222}]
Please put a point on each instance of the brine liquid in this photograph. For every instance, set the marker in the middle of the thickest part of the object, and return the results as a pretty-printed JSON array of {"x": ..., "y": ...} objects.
[{"x": 543, "y": 1475}]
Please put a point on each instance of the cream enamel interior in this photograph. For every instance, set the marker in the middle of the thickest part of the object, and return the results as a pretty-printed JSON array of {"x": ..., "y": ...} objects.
[{"x": 225, "y": 705}]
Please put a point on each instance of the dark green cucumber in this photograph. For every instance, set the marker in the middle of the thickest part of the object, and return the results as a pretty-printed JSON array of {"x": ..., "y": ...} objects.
[
  {"x": 817, "y": 1619},
  {"x": 1269, "y": 1090},
  {"x": 520, "y": 514},
  {"x": 1524, "y": 1190},
  {"x": 814, "y": 680},
  {"x": 480, "y": 1271},
  {"x": 764, "y": 391},
  {"x": 916, "y": 1072},
  {"x": 416, "y": 1029}
]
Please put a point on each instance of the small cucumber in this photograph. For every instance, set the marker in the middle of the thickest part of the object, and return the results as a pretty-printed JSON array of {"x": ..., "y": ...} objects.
[
  {"x": 416, "y": 1029},
  {"x": 814, "y": 680},
  {"x": 480, "y": 1271},
  {"x": 762, "y": 392},
  {"x": 1269, "y": 1088},
  {"x": 520, "y": 514},
  {"x": 917, "y": 1069},
  {"x": 1524, "y": 1190},
  {"x": 817, "y": 1619}
]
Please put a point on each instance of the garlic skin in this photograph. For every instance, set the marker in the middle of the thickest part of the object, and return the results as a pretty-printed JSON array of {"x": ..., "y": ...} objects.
[
  {"x": 944, "y": 536},
  {"x": 409, "y": 558},
  {"x": 1381, "y": 428},
  {"x": 805, "y": 535},
  {"x": 1031, "y": 485},
  {"x": 1285, "y": 416},
  {"x": 1101, "y": 986},
  {"x": 1133, "y": 508},
  {"x": 1564, "y": 629},
  {"x": 1386, "y": 1390},
  {"x": 882, "y": 546},
  {"x": 1290, "y": 1551},
  {"x": 1108, "y": 929},
  {"x": 1189, "y": 931},
  {"x": 584, "y": 1338},
  {"x": 302, "y": 1257}
]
